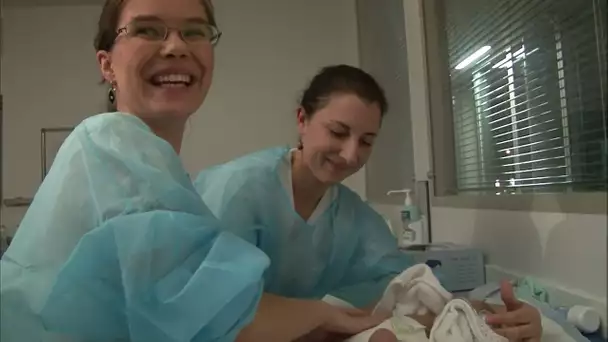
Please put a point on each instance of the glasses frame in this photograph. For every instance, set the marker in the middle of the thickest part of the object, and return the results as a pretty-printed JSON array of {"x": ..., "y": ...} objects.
[{"x": 217, "y": 34}]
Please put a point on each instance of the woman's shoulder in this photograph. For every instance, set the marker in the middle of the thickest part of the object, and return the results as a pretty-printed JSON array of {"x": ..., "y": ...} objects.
[
  {"x": 123, "y": 134},
  {"x": 256, "y": 166},
  {"x": 352, "y": 201},
  {"x": 108, "y": 130},
  {"x": 267, "y": 158},
  {"x": 347, "y": 194},
  {"x": 118, "y": 143},
  {"x": 112, "y": 122}
]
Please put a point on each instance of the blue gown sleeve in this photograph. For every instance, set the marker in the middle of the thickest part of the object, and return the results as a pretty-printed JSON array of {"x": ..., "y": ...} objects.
[
  {"x": 377, "y": 258},
  {"x": 117, "y": 245}
]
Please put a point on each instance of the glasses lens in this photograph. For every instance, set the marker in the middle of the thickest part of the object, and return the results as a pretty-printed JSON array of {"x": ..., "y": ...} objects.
[
  {"x": 147, "y": 30},
  {"x": 198, "y": 32}
]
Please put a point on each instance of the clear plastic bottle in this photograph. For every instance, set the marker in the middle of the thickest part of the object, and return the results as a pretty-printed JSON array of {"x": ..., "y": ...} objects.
[
  {"x": 411, "y": 223},
  {"x": 584, "y": 318}
]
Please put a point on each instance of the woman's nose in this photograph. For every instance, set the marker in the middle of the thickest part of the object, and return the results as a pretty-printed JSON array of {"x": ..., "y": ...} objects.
[
  {"x": 174, "y": 45},
  {"x": 350, "y": 152}
]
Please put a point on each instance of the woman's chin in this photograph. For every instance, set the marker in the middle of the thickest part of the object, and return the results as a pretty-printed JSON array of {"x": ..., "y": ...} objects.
[
  {"x": 174, "y": 109},
  {"x": 330, "y": 177}
]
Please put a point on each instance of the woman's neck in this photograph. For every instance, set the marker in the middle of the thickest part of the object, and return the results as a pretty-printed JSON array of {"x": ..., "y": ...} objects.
[
  {"x": 307, "y": 189},
  {"x": 170, "y": 130}
]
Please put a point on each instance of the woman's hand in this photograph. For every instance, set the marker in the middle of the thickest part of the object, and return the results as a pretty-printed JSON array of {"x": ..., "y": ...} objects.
[
  {"x": 342, "y": 323},
  {"x": 280, "y": 319},
  {"x": 519, "y": 322},
  {"x": 349, "y": 321}
]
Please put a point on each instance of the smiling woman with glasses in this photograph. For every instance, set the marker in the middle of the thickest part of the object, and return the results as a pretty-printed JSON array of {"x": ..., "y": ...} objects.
[{"x": 117, "y": 245}]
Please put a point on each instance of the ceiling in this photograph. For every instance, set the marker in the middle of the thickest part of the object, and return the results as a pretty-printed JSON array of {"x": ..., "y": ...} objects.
[{"x": 19, "y": 3}]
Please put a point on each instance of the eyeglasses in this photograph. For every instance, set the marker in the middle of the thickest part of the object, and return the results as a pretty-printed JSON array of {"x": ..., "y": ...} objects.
[{"x": 191, "y": 32}]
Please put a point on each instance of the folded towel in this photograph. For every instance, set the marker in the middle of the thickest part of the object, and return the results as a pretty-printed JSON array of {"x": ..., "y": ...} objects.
[
  {"x": 458, "y": 322},
  {"x": 417, "y": 291},
  {"x": 414, "y": 292},
  {"x": 404, "y": 328}
]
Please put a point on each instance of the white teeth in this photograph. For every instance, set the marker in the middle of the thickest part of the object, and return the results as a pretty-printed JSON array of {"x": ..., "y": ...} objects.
[{"x": 173, "y": 78}]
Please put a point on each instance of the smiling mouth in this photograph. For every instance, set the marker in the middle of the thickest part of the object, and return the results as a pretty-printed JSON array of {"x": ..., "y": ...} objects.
[
  {"x": 336, "y": 166},
  {"x": 172, "y": 81}
]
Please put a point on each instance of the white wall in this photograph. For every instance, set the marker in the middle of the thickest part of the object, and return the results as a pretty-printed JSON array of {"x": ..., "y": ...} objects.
[
  {"x": 382, "y": 53},
  {"x": 564, "y": 251},
  {"x": 49, "y": 79},
  {"x": 269, "y": 51}
]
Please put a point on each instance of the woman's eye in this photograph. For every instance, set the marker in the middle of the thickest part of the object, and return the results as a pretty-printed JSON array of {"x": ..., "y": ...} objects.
[
  {"x": 338, "y": 134},
  {"x": 201, "y": 32},
  {"x": 193, "y": 33},
  {"x": 148, "y": 32},
  {"x": 198, "y": 32}
]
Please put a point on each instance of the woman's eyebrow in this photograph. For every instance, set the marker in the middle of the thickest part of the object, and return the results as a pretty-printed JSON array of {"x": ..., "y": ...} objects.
[
  {"x": 198, "y": 20},
  {"x": 338, "y": 123},
  {"x": 146, "y": 18},
  {"x": 346, "y": 127}
]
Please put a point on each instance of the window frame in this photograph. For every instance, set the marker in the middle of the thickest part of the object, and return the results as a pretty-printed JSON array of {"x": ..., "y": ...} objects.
[{"x": 443, "y": 175}]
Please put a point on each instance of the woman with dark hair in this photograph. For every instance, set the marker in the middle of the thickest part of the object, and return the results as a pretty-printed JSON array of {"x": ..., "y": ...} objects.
[
  {"x": 321, "y": 238},
  {"x": 319, "y": 235}
]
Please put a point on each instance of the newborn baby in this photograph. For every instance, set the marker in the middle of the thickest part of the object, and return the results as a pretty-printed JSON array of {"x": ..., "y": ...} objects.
[
  {"x": 422, "y": 310},
  {"x": 458, "y": 321}
]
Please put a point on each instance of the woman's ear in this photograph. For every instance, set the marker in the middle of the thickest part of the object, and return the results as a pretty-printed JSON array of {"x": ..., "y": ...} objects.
[
  {"x": 105, "y": 66},
  {"x": 301, "y": 120}
]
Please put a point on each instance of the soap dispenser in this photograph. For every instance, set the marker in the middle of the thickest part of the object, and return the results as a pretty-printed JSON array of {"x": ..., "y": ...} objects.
[{"x": 411, "y": 222}]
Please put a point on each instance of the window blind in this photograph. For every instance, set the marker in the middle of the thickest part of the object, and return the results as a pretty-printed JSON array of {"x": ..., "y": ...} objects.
[{"x": 529, "y": 94}]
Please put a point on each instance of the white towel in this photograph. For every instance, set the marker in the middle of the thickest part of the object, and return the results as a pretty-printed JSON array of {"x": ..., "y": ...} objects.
[
  {"x": 414, "y": 292},
  {"x": 405, "y": 328},
  {"x": 458, "y": 322}
]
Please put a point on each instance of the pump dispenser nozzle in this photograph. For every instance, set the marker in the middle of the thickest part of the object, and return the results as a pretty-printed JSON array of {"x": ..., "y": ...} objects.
[
  {"x": 408, "y": 197},
  {"x": 408, "y": 203}
]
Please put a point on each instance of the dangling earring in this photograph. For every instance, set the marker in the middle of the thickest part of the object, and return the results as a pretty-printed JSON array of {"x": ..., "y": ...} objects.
[
  {"x": 112, "y": 93},
  {"x": 300, "y": 145}
]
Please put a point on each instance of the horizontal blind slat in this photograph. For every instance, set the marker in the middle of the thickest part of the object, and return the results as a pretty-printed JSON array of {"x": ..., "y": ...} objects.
[
  {"x": 533, "y": 107},
  {"x": 504, "y": 24},
  {"x": 529, "y": 165},
  {"x": 600, "y": 141}
]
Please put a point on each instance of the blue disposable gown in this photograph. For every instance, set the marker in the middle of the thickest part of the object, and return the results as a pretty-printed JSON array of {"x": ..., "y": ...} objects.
[
  {"x": 348, "y": 251},
  {"x": 118, "y": 246}
]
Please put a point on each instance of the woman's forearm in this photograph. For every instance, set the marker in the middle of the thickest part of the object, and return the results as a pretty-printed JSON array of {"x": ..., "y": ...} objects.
[{"x": 283, "y": 319}]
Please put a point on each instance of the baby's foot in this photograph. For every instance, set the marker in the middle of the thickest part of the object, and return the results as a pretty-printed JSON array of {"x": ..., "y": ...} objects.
[{"x": 383, "y": 335}]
